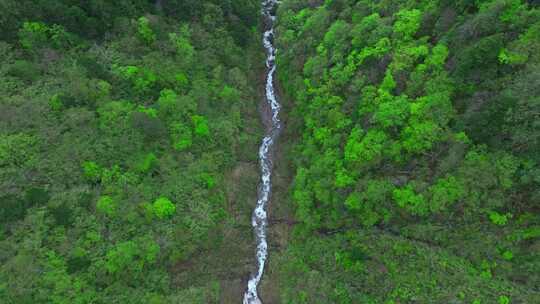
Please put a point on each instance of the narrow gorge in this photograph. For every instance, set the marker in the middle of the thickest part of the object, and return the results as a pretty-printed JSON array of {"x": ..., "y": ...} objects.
[
  {"x": 270, "y": 151},
  {"x": 260, "y": 217}
]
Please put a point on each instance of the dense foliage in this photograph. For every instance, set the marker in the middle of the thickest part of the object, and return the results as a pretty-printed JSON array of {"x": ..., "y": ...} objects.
[
  {"x": 128, "y": 149},
  {"x": 418, "y": 155},
  {"x": 120, "y": 125}
]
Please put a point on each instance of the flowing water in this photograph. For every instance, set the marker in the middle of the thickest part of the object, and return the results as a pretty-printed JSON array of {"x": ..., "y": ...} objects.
[{"x": 260, "y": 219}]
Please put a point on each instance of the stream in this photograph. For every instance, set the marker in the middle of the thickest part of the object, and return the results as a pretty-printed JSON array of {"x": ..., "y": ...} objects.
[{"x": 260, "y": 219}]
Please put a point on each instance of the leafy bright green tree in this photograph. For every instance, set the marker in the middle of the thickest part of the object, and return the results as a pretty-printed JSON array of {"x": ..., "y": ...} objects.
[
  {"x": 163, "y": 207},
  {"x": 200, "y": 124},
  {"x": 366, "y": 149},
  {"x": 92, "y": 171},
  {"x": 408, "y": 22},
  {"x": 393, "y": 113},
  {"x": 420, "y": 136},
  {"x": 498, "y": 219},
  {"x": 107, "y": 205},
  {"x": 33, "y": 35},
  {"x": 408, "y": 199}
]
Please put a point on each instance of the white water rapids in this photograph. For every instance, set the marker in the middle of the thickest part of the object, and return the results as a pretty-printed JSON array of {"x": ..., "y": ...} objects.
[{"x": 260, "y": 218}]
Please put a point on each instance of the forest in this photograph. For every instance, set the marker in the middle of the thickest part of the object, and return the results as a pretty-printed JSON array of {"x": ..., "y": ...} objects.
[
  {"x": 408, "y": 170},
  {"x": 414, "y": 130},
  {"x": 128, "y": 141}
]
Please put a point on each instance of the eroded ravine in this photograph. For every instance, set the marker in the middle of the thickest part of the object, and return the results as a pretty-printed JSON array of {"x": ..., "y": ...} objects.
[{"x": 260, "y": 217}]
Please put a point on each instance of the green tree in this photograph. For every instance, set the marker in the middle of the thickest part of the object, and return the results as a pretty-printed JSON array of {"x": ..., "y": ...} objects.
[
  {"x": 408, "y": 22},
  {"x": 229, "y": 94},
  {"x": 17, "y": 149},
  {"x": 182, "y": 44},
  {"x": 59, "y": 286},
  {"x": 145, "y": 31},
  {"x": 408, "y": 199},
  {"x": 445, "y": 192},
  {"x": 365, "y": 149},
  {"x": 182, "y": 136},
  {"x": 200, "y": 124},
  {"x": 92, "y": 171},
  {"x": 121, "y": 257},
  {"x": 33, "y": 35},
  {"x": 145, "y": 163},
  {"x": 419, "y": 136},
  {"x": 163, "y": 208},
  {"x": 393, "y": 113},
  {"x": 107, "y": 205}
]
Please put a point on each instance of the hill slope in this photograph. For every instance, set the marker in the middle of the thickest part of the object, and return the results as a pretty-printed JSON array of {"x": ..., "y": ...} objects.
[
  {"x": 128, "y": 145},
  {"x": 417, "y": 164}
]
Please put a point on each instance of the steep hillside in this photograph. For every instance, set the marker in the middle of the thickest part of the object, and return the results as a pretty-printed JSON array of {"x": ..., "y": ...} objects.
[
  {"x": 128, "y": 150},
  {"x": 417, "y": 152},
  {"x": 408, "y": 170}
]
